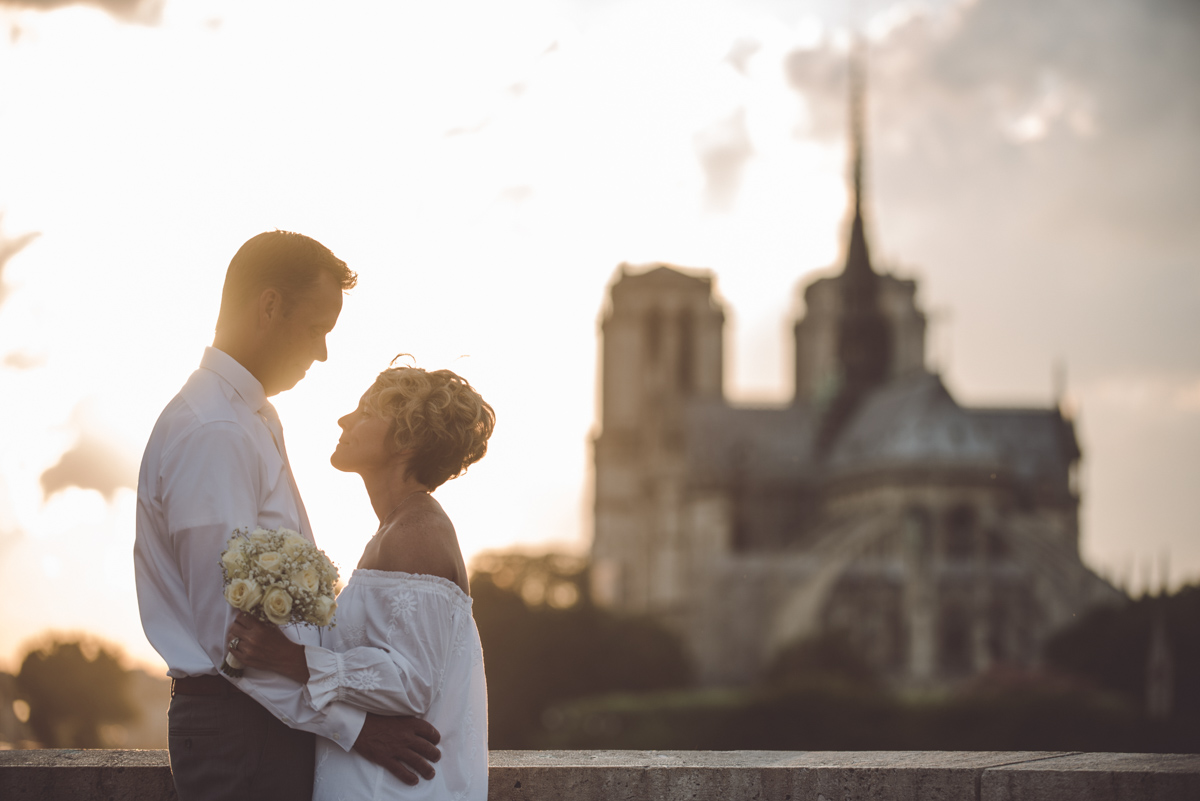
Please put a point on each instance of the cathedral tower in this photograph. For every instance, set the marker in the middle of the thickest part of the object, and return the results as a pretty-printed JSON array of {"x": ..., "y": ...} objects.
[{"x": 662, "y": 348}]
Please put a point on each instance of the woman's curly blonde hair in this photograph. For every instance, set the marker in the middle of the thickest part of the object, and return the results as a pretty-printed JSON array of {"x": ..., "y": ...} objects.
[{"x": 436, "y": 415}]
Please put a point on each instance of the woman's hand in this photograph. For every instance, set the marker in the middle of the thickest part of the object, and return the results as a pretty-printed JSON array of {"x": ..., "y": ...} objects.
[{"x": 263, "y": 646}]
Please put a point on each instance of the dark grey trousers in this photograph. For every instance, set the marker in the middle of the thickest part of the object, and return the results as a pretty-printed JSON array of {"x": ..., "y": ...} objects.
[{"x": 230, "y": 747}]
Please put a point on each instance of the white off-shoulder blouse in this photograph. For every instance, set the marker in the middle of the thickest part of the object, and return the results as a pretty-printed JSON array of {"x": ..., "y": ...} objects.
[{"x": 403, "y": 644}]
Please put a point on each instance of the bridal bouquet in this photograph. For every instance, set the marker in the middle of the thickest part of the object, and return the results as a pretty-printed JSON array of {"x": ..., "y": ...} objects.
[{"x": 278, "y": 577}]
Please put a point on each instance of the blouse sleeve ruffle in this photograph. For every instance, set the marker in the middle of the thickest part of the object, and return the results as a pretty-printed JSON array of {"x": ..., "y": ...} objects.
[{"x": 324, "y": 676}]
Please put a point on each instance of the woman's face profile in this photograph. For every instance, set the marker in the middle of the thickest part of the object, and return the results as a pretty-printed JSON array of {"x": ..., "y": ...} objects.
[{"x": 364, "y": 444}]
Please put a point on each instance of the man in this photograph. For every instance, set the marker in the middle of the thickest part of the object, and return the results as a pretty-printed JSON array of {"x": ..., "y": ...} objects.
[{"x": 215, "y": 462}]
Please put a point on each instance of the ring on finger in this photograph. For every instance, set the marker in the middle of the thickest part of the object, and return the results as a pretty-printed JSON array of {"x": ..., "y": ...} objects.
[{"x": 234, "y": 643}]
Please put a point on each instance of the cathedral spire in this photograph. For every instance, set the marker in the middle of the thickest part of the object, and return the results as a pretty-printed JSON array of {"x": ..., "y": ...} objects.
[
  {"x": 858, "y": 256},
  {"x": 864, "y": 332}
]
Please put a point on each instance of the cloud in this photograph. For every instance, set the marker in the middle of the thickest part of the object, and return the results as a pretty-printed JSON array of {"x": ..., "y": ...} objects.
[
  {"x": 819, "y": 75},
  {"x": 10, "y": 247},
  {"x": 993, "y": 74},
  {"x": 1037, "y": 155},
  {"x": 1154, "y": 394},
  {"x": 96, "y": 462},
  {"x": 516, "y": 195},
  {"x": 507, "y": 98},
  {"x": 723, "y": 149},
  {"x": 21, "y": 360},
  {"x": 93, "y": 463},
  {"x": 10, "y": 531},
  {"x": 740, "y": 53},
  {"x": 143, "y": 12}
]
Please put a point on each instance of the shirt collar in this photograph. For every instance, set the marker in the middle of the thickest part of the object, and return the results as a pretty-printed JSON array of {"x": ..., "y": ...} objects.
[{"x": 241, "y": 379}]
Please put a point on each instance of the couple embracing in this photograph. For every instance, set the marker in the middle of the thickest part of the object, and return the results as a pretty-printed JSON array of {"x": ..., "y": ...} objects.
[{"x": 360, "y": 710}]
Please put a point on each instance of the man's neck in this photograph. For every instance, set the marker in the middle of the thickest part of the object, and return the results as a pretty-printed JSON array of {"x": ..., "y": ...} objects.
[{"x": 244, "y": 354}]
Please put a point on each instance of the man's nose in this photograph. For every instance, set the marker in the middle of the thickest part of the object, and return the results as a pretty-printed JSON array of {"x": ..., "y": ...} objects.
[{"x": 322, "y": 352}]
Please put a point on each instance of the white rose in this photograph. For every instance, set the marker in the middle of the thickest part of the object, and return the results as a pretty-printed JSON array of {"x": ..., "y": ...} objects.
[
  {"x": 234, "y": 558},
  {"x": 260, "y": 536},
  {"x": 243, "y": 594},
  {"x": 271, "y": 561},
  {"x": 293, "y": 543},
  {"x": 308, "y": 580},
  {"x": 278, "y": 605},
  {"x": 323, "y": 609}
]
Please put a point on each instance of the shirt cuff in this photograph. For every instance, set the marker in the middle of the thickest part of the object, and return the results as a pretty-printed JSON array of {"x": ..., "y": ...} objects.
[
  {"x": 343, "y": 724},
  {"x": 324, "y": 676}
]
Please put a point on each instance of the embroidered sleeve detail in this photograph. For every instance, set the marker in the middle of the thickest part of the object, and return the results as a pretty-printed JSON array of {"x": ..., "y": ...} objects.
[{"x": 364, "y": 681}]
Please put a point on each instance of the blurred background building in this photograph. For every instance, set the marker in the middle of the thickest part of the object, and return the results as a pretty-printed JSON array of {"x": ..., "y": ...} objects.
[{"x": 939, "y": 540}]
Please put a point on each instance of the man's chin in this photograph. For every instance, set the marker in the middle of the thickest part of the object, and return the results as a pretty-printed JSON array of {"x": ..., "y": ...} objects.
[{"x": 284, "y": 384}]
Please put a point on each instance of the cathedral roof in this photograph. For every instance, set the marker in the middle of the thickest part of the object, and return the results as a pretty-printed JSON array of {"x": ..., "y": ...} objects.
[
  {"x": 661, "y": 274},
  {"x": 913, "y": 421},
  {"x": 1038, "y": 445},
  {"x": 727, "y": 444},
  {"x": 910, "y": 423}
]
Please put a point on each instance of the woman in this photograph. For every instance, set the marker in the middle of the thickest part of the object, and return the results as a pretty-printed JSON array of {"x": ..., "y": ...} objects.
[{"x": 404, "y": 641}]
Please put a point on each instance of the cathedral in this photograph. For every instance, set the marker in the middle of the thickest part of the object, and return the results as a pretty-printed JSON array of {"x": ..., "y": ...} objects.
[{"x": 940, "y": 540}]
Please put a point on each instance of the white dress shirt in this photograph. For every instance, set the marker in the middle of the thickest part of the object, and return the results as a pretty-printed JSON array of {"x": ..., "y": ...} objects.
[{"x": 213, "y": 464}]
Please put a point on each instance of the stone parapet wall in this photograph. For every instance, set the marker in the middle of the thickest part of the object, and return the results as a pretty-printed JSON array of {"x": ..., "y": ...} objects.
[{"x": 693, "y": 776}]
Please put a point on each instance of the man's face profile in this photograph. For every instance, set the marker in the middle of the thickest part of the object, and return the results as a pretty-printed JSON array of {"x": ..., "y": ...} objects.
[{"x": 295, "y": 334}]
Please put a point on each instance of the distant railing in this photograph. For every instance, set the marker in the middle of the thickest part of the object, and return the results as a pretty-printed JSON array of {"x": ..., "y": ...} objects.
[{"x": 693, "y": 776}]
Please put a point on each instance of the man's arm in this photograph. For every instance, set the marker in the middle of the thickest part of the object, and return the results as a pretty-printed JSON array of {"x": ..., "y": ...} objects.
[{"x": 211, "y": 486}]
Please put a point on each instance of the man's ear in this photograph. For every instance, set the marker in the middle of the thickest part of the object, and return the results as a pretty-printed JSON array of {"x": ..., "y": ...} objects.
[{"x": 270, "y": 306}]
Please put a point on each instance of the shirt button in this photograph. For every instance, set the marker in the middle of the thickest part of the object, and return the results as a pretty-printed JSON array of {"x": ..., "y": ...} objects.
[{"x": 337, "y": 736}]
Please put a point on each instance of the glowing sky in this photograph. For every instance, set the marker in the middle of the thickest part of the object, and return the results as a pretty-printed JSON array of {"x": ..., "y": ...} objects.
[{"x": 485, "y": 167}]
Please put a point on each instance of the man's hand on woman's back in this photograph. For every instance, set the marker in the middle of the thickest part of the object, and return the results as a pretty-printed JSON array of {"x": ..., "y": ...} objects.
[{"x": 402, "y": 745}]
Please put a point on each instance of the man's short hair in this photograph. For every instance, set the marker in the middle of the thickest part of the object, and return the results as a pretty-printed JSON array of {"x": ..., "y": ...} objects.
[{"x": 282, "y": 260}]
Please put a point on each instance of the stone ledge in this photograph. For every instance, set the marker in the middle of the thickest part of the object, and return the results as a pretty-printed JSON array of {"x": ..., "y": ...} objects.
[
  {"x": 694, "y": 776},
  {"x": 51, "y": 775},
  {"x": 1097, "y": 777}
]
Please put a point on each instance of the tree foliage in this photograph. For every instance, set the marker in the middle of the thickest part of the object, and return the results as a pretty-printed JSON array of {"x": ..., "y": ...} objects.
[
  {"x": 821, "y": 711},
  {"x": 545, "y": 642},
  {"x": 820, "y": 695},
  {"x": 74, "y": 686},
  {"x": 827, "y": 654},
  {"x": 1111, "y": 647}
]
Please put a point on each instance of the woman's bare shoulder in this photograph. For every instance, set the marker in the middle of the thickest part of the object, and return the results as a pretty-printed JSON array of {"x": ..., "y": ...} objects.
[{"x": 421, "y": 540}]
